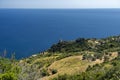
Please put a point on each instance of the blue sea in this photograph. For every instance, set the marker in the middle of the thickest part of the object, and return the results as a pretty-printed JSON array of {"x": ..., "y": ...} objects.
[{"x": 28, "y": 31}]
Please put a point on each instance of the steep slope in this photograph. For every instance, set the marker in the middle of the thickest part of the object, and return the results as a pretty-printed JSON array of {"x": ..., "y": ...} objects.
[{"x": 70, "y": 60}]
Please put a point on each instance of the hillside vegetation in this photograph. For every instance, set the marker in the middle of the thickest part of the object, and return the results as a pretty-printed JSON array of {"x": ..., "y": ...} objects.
[{"x": 80, "y": 59}]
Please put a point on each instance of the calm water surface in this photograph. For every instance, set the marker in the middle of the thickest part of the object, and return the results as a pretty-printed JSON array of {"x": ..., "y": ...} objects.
[{"x": 28, "y": 31}]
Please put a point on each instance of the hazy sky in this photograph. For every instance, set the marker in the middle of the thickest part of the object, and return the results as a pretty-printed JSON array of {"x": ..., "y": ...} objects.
[{"x": 59, "y": 3}]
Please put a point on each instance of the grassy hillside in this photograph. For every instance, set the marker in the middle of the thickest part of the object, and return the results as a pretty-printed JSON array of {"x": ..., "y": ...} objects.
[
  {"x": 80, "y": 59},
  {"x": 105, "y": 71}
]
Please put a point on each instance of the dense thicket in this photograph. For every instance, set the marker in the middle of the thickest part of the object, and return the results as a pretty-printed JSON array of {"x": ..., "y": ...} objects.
[{"x": 82, "y": 44}]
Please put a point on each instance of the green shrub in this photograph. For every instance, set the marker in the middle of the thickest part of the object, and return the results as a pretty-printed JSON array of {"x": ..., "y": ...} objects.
[
  {"x": 44, "y": 73},
  {"x": 8, "y": 76},
  {"x": 53, "y": 71}
]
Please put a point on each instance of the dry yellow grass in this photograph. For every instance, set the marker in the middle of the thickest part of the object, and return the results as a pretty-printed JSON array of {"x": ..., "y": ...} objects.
[
  {"x": 70, "y": 65},
  {"x": 113, "y": 55}
]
